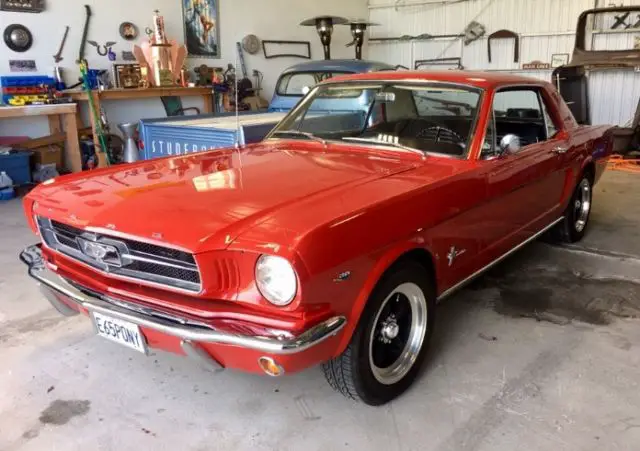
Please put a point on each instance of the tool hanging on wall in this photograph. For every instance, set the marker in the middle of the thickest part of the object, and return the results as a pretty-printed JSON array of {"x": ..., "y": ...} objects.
[
  {"x": 420, "y": 37},
  {"x": 324, "y": 27},
  {"x": 245, "y": 85},
  {"x": 58, "y": 56},
  {"x": 85, "y": 31},
  {"x": 505, "y": 34},
  {"x": 358, "y": 27},
  {"x": 473, "y": 31},
  {"x": 102, "y": 50}
]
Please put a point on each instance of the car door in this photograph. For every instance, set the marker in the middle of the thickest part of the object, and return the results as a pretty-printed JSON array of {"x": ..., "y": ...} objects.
[{"x": 524, "y": 186}]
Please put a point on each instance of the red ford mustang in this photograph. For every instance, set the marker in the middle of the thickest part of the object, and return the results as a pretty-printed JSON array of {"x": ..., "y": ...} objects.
[{"x": 332, "y": 240}]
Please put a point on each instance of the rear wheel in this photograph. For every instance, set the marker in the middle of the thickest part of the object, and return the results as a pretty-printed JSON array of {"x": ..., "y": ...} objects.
[
  {"x": 577, "y": 213},
  {"x": 390, "y": 342}
]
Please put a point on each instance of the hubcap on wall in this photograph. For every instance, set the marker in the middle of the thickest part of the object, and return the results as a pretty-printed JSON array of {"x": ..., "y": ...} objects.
[
  {"x": 398, "y": 332},
  {"x": 582, "y": 205}
]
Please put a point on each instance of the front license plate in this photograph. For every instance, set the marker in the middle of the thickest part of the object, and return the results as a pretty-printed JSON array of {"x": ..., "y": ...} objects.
[{"x": 120, "y": 331}]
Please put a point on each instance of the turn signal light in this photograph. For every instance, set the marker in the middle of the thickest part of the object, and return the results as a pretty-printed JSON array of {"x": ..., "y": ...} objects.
[{"x": 270, "y": 367}]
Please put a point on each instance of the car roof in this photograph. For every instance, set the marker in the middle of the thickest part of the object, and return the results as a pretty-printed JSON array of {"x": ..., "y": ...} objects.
[
  {"x": 340, "y": 65},
  {"x": 482, "y": 80}
]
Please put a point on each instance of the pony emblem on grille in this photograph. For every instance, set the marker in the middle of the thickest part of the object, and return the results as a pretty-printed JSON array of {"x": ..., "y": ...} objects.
[{"x": 102, "y": 253}]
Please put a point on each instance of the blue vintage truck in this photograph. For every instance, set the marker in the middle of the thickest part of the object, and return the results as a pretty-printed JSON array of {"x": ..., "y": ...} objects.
[{"x": 186, "y": 134}]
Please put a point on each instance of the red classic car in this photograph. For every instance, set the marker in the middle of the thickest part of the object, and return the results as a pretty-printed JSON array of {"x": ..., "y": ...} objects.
[{"x": 331, "y": 241}]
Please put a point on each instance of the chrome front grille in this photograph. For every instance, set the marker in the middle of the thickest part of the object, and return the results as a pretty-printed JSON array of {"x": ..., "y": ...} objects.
[{"x": 123, "y": 257}]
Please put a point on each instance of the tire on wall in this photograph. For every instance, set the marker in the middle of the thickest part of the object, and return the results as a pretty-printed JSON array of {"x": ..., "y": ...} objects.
[
  {"x": 391, "y": 339},
  {"x": 577, "y": 213}
]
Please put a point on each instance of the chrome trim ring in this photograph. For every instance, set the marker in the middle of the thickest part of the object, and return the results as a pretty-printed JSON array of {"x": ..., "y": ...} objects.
[
  {"x": 388, "y": 334},
  {"x": 582, "y": 205}
]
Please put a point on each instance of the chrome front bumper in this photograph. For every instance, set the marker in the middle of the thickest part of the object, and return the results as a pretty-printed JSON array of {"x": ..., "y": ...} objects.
[{"x": 51, "y": 284}]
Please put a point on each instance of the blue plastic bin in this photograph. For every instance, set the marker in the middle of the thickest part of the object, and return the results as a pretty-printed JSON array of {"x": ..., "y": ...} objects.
[
  {"x": 7, "y": 193},
  {"x": 16, "y": 165},
  {"x": 26, "y": 80}
]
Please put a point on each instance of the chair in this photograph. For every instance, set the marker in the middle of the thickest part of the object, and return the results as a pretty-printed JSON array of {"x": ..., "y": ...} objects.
[{"x": 173, "y": 106}]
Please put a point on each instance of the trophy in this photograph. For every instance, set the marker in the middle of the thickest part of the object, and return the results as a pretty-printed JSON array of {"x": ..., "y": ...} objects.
[{"x": 162, "y": 58}]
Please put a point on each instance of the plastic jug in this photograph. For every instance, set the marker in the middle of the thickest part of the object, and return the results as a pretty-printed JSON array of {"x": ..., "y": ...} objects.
[{"x": 5, "y": 180}]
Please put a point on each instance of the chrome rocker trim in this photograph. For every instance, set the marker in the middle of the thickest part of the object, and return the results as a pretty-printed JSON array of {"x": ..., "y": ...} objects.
[
  {"x": 482, "y": 270},
  {"x": 52, "y": 283}
]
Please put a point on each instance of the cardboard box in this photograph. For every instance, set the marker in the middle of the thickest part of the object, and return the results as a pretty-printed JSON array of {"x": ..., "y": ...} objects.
[{"x": 51, "y": 154}]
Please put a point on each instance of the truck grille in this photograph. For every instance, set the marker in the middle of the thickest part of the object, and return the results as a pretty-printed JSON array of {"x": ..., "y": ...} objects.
[{"x": 123, "y": 257}]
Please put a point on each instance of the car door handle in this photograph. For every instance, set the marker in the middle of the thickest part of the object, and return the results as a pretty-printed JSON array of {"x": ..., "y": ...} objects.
[{"x": 559, "y": 150}]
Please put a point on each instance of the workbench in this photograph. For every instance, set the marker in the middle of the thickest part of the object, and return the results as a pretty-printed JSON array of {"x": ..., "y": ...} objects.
[
  {"x": 62, "y": 116},
  {"x": 134, "y": 94}
]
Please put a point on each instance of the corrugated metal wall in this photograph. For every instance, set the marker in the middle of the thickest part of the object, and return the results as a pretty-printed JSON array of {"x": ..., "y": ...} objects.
[{"x": 546, "y": 27}]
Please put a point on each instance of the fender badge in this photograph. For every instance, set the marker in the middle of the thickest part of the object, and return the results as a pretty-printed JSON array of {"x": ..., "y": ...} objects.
[
  {"x": 342, "y": 276},
  {"x": 453, "y": 253}
]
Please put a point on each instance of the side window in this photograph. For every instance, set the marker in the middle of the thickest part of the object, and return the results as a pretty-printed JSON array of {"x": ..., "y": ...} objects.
[{"x": 516, "y": 111}]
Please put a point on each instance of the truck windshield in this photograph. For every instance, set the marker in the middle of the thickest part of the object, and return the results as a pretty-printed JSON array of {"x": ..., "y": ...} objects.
[{"x": 429, "y": 117}]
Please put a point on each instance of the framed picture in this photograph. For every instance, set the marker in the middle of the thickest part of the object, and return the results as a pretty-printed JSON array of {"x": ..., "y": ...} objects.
[
  {"x": 127, "y": 75},
  {"x": 201, "y": 28},
  {"x": 559, "y": 59}
]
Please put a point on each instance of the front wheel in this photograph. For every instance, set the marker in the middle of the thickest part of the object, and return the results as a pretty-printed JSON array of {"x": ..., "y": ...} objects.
[
  {"x": 390, "y": 342},
  {"x": 577, "y": 213}
]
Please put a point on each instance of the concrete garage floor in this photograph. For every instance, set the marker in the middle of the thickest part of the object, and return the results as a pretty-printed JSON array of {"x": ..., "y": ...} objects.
[{"x": 542, "y": 353}]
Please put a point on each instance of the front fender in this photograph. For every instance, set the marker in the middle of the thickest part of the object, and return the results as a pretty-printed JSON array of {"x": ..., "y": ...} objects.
[{"x": 382, "y": 262}]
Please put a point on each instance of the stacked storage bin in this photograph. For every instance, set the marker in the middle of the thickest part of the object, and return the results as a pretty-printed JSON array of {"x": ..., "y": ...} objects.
[{"x": 25, "y": 89}]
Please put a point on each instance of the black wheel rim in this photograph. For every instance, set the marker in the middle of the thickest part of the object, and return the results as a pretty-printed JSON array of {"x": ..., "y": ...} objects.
[{"x": 398, "y": 332}]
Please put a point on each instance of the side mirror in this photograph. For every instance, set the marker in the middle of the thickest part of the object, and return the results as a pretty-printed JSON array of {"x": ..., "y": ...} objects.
[{"x": 509, "y": 143}]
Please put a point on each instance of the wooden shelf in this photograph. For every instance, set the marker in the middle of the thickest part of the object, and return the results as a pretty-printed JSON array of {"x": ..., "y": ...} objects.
[{"x": 37, "y": 110}]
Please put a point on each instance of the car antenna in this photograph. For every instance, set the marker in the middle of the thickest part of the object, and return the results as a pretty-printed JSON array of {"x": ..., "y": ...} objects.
[{"x": 235, "y": 81}]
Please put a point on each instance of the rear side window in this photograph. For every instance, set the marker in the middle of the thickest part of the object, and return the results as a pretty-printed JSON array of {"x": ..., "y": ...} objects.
[{"x": 299, "y": 83}]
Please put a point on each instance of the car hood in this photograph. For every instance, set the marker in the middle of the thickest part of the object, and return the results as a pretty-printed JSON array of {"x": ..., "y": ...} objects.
[{"x": 204, "y": 201}]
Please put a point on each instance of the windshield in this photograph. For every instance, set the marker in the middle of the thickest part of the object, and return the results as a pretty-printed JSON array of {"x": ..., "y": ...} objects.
[{"x": 429, "y": 117}]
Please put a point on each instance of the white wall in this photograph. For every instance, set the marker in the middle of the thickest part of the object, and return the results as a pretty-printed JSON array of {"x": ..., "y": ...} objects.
[
  {"x": 545, "y": 27},
  {"x": 268, "y": 19}
]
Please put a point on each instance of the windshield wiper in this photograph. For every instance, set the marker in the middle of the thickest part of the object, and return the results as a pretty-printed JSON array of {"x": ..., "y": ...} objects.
[
  {"x": 384, "y": 143},
  {"x": 300, "y": 133}
]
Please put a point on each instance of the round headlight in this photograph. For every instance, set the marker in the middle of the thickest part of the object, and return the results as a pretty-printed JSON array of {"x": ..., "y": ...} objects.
[{"x": 276, "y": 279}]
